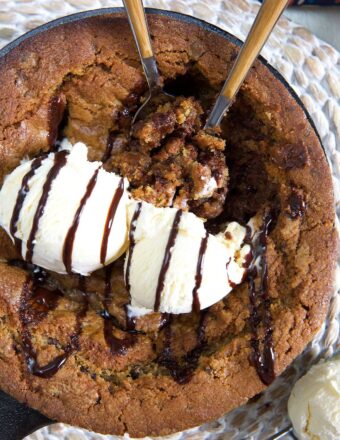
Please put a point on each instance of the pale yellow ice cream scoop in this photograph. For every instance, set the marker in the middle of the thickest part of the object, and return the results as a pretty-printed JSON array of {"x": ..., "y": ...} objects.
[{"x": 314, "y": 404}]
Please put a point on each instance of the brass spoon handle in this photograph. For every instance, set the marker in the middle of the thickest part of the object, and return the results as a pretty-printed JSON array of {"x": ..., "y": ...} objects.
[
  {"x": 140, "y": 30},
  {"x": 263, "y": 25}
]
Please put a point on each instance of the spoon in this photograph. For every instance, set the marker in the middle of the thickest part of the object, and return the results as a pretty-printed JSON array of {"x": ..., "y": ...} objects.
[
  {"x": 137, "y": 19},
  {"x": 263, "y": 25},
  {"x": 283, "y": 434}
]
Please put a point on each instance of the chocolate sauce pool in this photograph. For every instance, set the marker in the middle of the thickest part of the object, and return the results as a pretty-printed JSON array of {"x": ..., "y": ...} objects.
[
  {"x": 182, "y": 370},
  {"x": 35, "y": 303},
  {"x": 118, "y": 346}
]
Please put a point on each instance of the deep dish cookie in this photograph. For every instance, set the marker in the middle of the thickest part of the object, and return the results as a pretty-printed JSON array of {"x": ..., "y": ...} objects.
[{"x": 67, "y": 347}]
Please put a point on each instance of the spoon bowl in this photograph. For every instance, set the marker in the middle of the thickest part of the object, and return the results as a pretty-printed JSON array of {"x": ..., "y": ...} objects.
[
  {"x": 137, "y": 19},
  {"x": 155, "y": 97}
]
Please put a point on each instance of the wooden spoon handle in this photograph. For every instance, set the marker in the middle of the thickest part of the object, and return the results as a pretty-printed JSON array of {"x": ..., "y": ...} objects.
[
  {"x": 140, "y": 30},
  {"x": 264, "y": 23},
  {"x": 135, "y": 11},
  {"x": 265, "y": 20}
]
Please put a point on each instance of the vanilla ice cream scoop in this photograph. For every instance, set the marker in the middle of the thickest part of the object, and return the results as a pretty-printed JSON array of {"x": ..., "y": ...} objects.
[
  {"x": 64, "y": 213},
  {"x": 173, "y": 265},
  {"x": 314, "y": 404}
]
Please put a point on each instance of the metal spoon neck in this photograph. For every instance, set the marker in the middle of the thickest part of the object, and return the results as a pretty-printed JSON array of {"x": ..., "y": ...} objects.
[
  {"x": 151, "y": 72},
  {"x": 220, "y": 108}
]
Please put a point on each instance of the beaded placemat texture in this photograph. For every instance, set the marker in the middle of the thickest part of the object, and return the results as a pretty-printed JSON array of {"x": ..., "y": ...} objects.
[{"x": 312, "y": 67}]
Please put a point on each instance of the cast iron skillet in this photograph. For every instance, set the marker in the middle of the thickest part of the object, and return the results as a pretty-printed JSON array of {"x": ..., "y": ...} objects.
[{"x": 17, "y": 420}]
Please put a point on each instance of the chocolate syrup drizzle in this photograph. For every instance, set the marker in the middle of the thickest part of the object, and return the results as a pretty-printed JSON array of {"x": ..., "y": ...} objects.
[
  {"x": 167, "y": 259},
  {"x": 117, "y": 346},
  {"x": 35, "y": 303},
  {"x": 110, "y": 218},
  {"x": 109, "y": 147},
  {"x": 182, "y": 370},
  {"x": 60, "y": 159},
  {"x": 115, "y": 141},
  {"x": 263, "y": 358},
  {"x": 36, "y": 300},
  {"x": 132, "y": 244},
  {"x": 71, "y": 234},
  {"x": 198, "y": 277},
  {"x": 36, "y": 163}
]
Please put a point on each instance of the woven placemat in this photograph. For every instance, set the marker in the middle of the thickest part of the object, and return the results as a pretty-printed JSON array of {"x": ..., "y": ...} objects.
[{"x": 312, "y": 67}]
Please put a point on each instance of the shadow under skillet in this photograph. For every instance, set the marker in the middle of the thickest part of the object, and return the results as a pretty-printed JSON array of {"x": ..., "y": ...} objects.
[{"x": 17, "y": 420}]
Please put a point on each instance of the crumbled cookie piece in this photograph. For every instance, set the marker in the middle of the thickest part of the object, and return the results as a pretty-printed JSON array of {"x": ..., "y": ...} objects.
[
  {"x": 151, "y": 132},
  {"x": 171, "y": 161},
  {"x": 206, "y": 141}
]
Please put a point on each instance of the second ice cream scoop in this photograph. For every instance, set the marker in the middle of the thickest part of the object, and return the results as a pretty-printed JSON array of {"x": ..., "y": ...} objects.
[
  {"x": 314, "y": 404},
  {"x": 174, "y": 265}
]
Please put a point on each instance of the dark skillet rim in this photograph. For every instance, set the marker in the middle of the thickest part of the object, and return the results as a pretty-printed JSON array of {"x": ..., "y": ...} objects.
[{"x": 175, "y": 15}]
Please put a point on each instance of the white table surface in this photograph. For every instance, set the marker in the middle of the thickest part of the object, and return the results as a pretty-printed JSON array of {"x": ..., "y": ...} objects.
[{"x": 322, "y": 21}]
